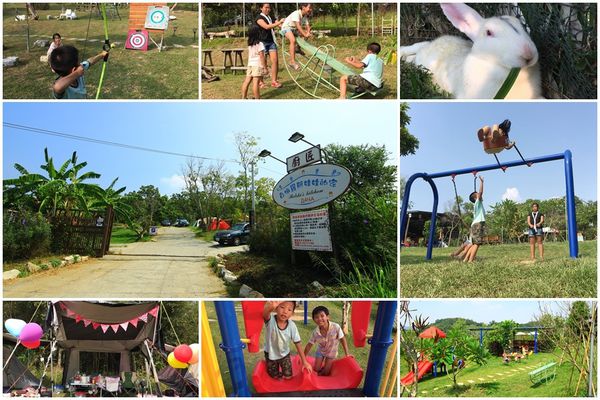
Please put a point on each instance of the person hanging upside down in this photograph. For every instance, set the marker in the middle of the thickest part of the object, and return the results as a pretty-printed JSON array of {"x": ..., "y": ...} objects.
[{"x": 478, "y": 224}]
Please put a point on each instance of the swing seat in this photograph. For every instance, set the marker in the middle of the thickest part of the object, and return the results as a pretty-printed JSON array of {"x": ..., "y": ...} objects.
[
  {"x": 345, "y": 374},
  {"x": 493, "y": 139}
]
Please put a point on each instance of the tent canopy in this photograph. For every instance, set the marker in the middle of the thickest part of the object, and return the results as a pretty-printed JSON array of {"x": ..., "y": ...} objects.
[
  {"x": 16, "y": 375},
  {"x": 80, "y": 326}
]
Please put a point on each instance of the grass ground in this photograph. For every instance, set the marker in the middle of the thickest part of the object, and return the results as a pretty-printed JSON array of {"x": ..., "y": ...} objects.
[
  {"x": 500, "y": 271},
  {"x": 251, "y": 359},
  {"x": 229, "y": 85},
  {"x": 170, "y": 74},
  {"x": 496, "y": 379},
  {"x": 123, "y": 235}
]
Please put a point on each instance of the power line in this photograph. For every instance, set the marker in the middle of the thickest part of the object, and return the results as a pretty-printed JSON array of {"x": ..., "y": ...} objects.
[{"x": 107, "y": 143}]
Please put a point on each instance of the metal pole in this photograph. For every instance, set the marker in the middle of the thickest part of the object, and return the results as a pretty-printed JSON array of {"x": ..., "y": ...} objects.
[
  {"x": 305, "y": 312},
  {"x": 570, "y": 199},
  {"x": 490, "y": 167},
  {"x": 480, "y": 337},
  {"x": 233, "y": 347},
  {"x": 535, "y": 342},
  {"x": 382, "y": 338}
]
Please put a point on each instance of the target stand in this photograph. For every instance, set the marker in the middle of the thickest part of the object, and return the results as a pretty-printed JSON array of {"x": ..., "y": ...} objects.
[
  {"x": 151, "y": 18},
  {"x": 137, "y": 40}
]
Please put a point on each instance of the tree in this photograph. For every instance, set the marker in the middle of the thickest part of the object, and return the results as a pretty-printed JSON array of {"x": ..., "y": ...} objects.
[
  {"x": 408, "y": 143},
  {"x": 145, "y": 203},
  {"x": 456, "y": 350},
  {"x": 193, "y": 171},
  {"x": 246, "y": 147}
]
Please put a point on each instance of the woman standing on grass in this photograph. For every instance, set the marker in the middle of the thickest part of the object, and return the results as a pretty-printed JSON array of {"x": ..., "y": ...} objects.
[
  {"x": 535, "y": 220},
  {"x": 267, "y": 37}
]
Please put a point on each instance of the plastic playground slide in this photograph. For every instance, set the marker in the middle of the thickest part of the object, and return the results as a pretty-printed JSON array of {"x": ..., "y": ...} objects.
[
  {"x": 423, "y": 367},
  {"x": 345, "y": 374}
]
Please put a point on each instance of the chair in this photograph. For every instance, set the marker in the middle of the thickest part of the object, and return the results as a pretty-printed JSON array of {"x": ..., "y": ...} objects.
[
  {"x": 129, "y": 385},
  {"x": 112, "y": 385}
]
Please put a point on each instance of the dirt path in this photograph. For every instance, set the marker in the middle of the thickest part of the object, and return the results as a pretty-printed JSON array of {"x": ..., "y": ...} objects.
[{"x": 173, "y": 266}]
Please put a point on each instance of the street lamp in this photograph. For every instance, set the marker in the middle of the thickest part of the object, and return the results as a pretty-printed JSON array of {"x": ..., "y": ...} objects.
[
  {"x": 266, "y": 153},
  {"x": 297, "y": 137}
]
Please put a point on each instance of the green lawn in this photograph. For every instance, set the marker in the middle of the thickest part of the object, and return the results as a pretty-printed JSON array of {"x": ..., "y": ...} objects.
[
  {"x": 500, "y": 271},
  {"x": 496, "y": 379},
  {"x": 122, "y": 235},
  {"x": 170, "y": 74},
  {"x": 229, "y": 85},
  {"x": 251, "y": 359}
]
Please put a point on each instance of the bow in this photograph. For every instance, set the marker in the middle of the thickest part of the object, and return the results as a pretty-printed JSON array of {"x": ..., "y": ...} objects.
[{"x": 105, "y": 47}]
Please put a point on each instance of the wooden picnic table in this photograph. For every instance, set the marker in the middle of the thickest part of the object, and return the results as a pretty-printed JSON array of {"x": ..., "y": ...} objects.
[{"x": 233, "y": 59}]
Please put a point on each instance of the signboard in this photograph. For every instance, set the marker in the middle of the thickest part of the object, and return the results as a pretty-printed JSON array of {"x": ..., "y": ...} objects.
[
  {"x": 157, "y": 18},
  {"x": 307, "y": 157},
  {"x": 310, "y": 230},
  {"x": 311, "y": 186}
]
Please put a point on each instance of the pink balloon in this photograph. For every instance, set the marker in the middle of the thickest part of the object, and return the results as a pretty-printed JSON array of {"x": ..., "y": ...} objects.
[
  {"x": 32, "y": 332},
  {"x": 183, "y": 353},
  {"x": 31, "y": 345}
]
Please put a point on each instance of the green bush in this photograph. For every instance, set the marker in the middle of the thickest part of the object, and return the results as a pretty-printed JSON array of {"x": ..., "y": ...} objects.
[
  {"x": 272, "y": 239},
  {"x": 26, "y": 235},
  {"x": 416, "y": 82}
]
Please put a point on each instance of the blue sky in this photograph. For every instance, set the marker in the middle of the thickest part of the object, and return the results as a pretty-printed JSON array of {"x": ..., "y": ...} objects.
[
  {"x": 201, "y": 129},
  {"x": 520, "y": 311},
  {"x": 447, "y": 134}
]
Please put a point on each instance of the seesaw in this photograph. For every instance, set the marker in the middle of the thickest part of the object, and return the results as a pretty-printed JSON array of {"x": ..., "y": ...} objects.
[{"x": 320, "y": 65}]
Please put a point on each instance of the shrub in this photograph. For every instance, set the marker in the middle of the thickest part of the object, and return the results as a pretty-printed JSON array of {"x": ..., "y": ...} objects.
[{"x": 26, "y": 235}]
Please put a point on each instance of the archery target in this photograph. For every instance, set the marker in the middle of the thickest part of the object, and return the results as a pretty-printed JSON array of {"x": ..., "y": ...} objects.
[
  {"x": 157, "y": 17},
  {"x": 137, "y": 40}
]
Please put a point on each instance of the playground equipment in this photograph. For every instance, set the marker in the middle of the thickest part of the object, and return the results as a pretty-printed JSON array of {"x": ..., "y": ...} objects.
[
  {"x": 346, "y": 373},
  {"x": 570, "y": 195},
  {"x": 535, "y": 330},
  {"x": 544, "y": 374},
  {"x": 212, "y": 383},
  {"x": 320, "y": 66},
  {"x": 423, "y": 367}
]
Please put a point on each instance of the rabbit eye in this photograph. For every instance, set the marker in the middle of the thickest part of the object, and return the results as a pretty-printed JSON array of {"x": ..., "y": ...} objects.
[{"x": 489, "y": 33}]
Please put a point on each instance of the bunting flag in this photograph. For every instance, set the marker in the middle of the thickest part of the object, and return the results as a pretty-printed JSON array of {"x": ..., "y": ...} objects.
[{"x": 115, "y": 327}]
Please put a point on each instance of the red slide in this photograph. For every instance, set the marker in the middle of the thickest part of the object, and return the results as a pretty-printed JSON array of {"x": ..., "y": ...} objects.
[{"x": 423, "y": 367}]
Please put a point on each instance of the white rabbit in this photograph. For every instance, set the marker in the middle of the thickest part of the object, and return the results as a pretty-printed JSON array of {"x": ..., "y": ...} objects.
[{"x": 477, "y": 69}]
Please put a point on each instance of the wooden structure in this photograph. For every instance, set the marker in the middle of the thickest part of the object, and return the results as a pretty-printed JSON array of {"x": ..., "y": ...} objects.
[
  {"x": 225, "y": 34},
  {"x": 137, "y": 20},
  {"x": 83, "y": 232},
  {"x": 388, "y": 26}
]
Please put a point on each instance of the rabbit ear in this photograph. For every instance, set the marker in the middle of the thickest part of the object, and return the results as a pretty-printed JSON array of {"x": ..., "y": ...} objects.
[{"x": 463, "y": 17}]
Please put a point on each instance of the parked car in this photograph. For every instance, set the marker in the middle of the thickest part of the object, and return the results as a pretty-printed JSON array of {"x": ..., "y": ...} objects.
[
  {"x": 182, "y": 222},
  {"x": 236, "y": 235},
  {"x": 165, "y": 222}
]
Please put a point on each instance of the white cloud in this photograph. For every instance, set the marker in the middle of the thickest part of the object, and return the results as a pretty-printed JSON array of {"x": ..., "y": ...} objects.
[
  {"x": 512, "y": 194},
  {"x": 175, "y": 182}
]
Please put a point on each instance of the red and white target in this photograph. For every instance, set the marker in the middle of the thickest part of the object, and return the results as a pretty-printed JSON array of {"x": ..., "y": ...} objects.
[{"x": 137, "y": 40}]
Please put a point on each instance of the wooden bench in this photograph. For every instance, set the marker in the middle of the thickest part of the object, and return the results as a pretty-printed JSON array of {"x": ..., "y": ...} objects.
[
  {"x": 226, "y": 34},
  {"x": 492, "y": 239},
  {"x": 545, "y": 374}
]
